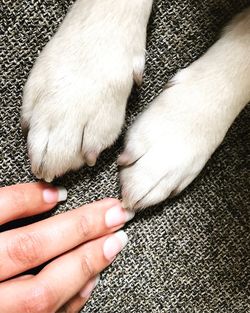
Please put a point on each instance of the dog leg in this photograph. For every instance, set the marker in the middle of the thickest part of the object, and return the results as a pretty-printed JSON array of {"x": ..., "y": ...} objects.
[
  {"x": 75, "y": 98},
  {"x": 171, "y": 141}
]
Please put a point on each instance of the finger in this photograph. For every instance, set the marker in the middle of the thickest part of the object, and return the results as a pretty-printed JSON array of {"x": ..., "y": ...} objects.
[
  {"x": 29, "y": 246},
  {"x": 78, "y": 266},
  {"x": 19, "y": 278},
  {"x": 23, "y": 200},
  {"x": 75, "y": 304},
  {"x": 60, "y": 280}
]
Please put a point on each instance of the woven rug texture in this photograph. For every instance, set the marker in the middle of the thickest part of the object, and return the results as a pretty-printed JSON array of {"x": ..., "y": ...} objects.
[{"x": 190, "y": 254}]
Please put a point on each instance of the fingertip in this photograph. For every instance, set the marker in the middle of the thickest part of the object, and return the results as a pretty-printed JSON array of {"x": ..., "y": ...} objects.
[
  {"x": 23, "y": 200},
  {"x": 76, "y": 303},
  {"x": 62, "y": 194},
  {"x": 114, "y": 244},
  {"x": 89, "y": 287}
]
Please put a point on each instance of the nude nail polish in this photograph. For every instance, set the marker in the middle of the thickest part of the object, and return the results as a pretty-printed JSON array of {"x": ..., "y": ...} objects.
[
  {"x": 114, "y": 244},
  {"x": 116, "y": 216},
  {"x": 54, "y": 194}
]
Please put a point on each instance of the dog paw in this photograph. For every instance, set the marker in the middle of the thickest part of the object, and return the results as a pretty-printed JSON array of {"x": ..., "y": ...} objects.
[
  {"x": 75, "y": 97},
  {"x": 171, "y": 141}
]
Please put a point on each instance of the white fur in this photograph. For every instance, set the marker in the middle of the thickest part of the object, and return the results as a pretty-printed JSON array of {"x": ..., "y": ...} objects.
[
  {"x": 172, "y": 140},
  {"x": 75, "y": 98}
]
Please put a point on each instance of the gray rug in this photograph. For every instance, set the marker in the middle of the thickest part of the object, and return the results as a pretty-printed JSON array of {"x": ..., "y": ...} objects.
[{"x": 190, "y": 254}]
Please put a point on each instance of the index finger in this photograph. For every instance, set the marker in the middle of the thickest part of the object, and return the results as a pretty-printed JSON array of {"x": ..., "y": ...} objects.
[
  {"x": 32, "y": 245},
  {"x": 23, "y": 200}
]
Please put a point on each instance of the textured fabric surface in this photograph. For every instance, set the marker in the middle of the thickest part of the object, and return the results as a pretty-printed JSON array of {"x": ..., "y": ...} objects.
[{"x": 190, "y": 254}]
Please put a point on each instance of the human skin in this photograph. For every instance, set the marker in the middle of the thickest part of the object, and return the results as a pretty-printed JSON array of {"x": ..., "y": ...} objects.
[{"x": 78, "y": 245}]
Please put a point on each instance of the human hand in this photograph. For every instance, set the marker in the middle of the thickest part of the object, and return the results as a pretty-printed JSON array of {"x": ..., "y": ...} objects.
[{"x": 79, "y": 244}]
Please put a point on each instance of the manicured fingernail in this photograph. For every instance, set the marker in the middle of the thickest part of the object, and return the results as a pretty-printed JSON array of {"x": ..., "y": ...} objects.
[
  {"x": 89, "y": 287},
  {"x": 54, "y": 194},
  {"x": 117, "y": 215},
  {"x": 114, "y": 244}
]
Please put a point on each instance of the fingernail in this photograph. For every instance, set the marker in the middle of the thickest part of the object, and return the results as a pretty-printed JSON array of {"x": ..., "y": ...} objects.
[
  {"x": 114, "y": 244},
  {"x": 54, "y": 194},
  {"x": 117, "y": 215},
  {"x": 89, "y": 287}
]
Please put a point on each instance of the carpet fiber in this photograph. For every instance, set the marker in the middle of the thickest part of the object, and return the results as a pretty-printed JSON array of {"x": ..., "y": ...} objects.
[{"x": 190, "y": 254}]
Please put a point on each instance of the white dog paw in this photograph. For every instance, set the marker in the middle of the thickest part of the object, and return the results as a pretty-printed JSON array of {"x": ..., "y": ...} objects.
[
  {"x": 171, "y": 141},
  {"x": 75, "y": 98}
]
